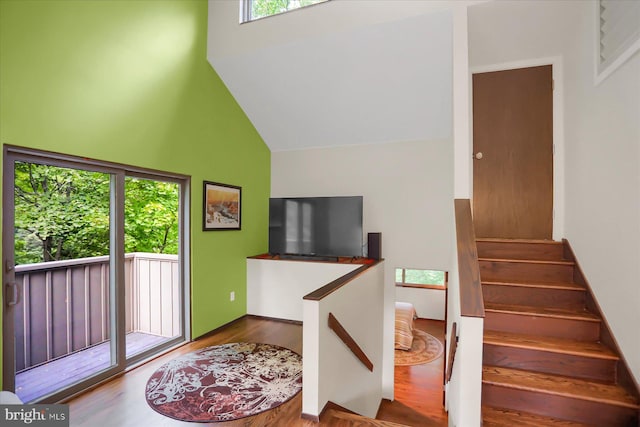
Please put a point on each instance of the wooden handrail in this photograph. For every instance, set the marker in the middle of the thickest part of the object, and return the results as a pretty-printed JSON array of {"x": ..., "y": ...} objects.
[
  {"x": 452, "y": 352},
  {"x": 471, "y": 301},
  {"x": 331, "y": 287},
  {"x": 342, "y": 333}
]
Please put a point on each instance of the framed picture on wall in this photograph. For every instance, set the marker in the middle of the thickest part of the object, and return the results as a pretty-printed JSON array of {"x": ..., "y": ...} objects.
[{"x": 221, "y": 206}]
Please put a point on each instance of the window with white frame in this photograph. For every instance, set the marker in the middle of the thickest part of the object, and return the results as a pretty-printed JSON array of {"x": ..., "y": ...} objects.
[
  {"x": 256, "y": 9},
  {"x": 420, "y": 278},
  {"x": 618, "y": 34}
]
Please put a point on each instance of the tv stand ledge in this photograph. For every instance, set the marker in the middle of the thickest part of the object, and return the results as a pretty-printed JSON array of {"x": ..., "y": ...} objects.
[{"x": 311, "y": 258}]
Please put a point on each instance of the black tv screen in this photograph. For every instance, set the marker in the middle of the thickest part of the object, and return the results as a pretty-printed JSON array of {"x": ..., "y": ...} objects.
[{"x": 316, "y": 226}]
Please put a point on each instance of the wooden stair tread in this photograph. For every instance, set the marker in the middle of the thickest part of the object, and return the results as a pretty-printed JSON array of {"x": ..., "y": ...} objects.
[
  {"x": 529, "y": 261},
  {"x": 335, "y": 417},
  {"x": 544, "y": 346},
  {"x": 550, "y": 344},
  {"x": 558, "y": 385},
  {"x": 567, "y": 286},
  {"x": 542, "y": 311},
  {"x": 499, "y": 240},
  {"x": 560, "y": 313},
  {"x": 497, "y": 417}
]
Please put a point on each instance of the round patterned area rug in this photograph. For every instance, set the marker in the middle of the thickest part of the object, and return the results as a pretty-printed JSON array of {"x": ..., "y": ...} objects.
[
  {"x": 424, "y": 349},
  {"x": 225, "y": 382}
]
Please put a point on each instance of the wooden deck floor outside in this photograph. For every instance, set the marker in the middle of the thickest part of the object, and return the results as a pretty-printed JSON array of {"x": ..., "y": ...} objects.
[
  {"x": 42, "y": 380},
  {"x": 121, "y": 401}
]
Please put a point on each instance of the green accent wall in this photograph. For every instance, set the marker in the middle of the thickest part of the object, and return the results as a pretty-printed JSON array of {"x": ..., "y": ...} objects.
[{"x": 129, "y": 82}]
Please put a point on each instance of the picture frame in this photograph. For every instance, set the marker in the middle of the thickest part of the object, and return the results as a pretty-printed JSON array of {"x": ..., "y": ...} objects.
[{"x": 221, "y": 206}]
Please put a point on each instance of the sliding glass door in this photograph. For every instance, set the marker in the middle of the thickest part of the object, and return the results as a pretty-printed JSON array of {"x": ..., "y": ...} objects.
[
  {"x": 153, "y": 299},
  {"x": 62, "y": 287},
  {"x": 94, "y": 276}
]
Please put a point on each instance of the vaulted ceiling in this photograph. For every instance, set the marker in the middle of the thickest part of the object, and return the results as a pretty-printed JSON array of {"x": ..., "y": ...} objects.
[{"x": 339, "y": 73}]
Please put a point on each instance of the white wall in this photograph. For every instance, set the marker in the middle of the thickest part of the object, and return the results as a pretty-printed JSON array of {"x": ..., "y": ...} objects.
[
  {"x": 466, "y": 378},
  {"x": 463, "y": 393},
  {"x": 228, "y": 38},
  {"x": 461, "y": 94},
  {"x": 275, "y": 288},
  {"x": 331, "y": 372},
  {"x": 339, "y": 73},
  {"x": 429, "y": 303},
  {"x": 407, "y": 189},
  {"x": 603, "y": 184},
  {"x": 602, "y": 144},
  {"x": 452, "y": 402}
]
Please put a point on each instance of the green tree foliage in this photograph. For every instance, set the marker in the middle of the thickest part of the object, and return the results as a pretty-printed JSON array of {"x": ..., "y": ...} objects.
[
  {"x": 151, "y": 216},
  {"x": 261, "y": 8},
  {"x": 63, "y": 213},
  {"x": 60, "y": 213},
  {"x": 420, "y": 277}
]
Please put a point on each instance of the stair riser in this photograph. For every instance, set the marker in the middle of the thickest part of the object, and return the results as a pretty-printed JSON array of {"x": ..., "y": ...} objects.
[
  {"x": 550, "y": 363},
  {"x": 535, "y": 297},
  {"x": 336, "y": 418},
  {"x": 536, "y": 325},
  {"x": 511, "y": 250},
  {"x": 594, "y": 413},
  {"x": 505, "y": 271}
]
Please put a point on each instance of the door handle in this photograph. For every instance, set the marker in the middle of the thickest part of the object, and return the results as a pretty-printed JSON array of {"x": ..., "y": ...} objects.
[
  {"x": 12, "y": 294},
  {"x": 478, "y": 155}
]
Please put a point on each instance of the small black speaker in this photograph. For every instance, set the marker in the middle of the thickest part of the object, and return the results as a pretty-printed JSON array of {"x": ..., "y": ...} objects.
[{"x": 374, "y": 245}]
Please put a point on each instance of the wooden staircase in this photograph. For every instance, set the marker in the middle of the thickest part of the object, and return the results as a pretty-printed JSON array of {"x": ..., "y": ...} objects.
[
  {"x": 339, "y": 418},
  {"x": 548, "y": 357},
  {"x": 334, "y": 415}
]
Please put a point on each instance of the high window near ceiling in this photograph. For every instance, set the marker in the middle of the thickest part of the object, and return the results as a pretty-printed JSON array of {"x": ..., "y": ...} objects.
[{"x": 250, "y": 10}]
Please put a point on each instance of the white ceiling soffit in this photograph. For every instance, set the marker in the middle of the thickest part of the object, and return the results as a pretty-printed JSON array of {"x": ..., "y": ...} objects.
[{"x": 383, "y": 82}]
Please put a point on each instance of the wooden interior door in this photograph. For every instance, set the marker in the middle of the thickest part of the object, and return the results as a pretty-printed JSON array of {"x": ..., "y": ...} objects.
[{"x": 513, "y": 153}]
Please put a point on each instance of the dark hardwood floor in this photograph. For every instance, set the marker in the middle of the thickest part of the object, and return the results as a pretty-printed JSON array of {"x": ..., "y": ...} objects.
[
  {"x": 121, "y": 401},
  {"x": 418, "y": 389}
]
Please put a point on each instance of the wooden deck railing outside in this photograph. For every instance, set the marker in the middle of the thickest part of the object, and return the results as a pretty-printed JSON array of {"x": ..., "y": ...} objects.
[{"x": 64, "y": 305}]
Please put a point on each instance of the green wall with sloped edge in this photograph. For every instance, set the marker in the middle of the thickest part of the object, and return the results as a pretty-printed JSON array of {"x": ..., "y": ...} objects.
[{"x": 129, "y": 82}]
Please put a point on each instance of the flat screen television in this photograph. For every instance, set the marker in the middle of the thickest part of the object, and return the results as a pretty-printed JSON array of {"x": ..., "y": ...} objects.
[{"x": 316, "y": 226}]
